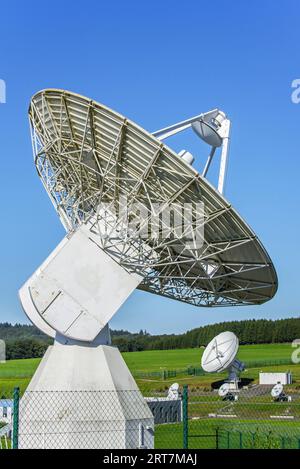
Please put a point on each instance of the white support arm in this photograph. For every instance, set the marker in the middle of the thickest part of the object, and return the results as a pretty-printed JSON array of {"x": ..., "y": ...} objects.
[
  {"x": 224, "y": 157},
  {"x": 183, "y": 125}
]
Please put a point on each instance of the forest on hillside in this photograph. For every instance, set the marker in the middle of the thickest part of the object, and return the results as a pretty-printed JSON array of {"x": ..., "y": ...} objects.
[{"x": 25, "y": 341}]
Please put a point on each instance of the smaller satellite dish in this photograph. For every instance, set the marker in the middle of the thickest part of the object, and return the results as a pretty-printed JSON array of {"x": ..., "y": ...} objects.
[
  {"x": 278, "y": 394},
  {"x": 173, "y": 391},
  {"x": 277, "y": 390},
  {"x": 224, "y": 390},
  {"x": 220, "y": 352}
]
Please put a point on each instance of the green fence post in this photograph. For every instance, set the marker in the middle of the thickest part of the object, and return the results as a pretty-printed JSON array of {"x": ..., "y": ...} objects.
[
  {"x": 228, "y": 439},
  {"x": 217, "y": 438},
  {"x": 15, "y": 436},
  {"x": 185, "y": 423},
  {"x": 241, "y": 440},
  {"x": 253, "y": 439}
]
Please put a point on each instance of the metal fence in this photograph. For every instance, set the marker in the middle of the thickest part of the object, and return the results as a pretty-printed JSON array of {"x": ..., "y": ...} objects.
[
  {"x": 165, "y": 374},
  {"x": 196, "y": 420}
]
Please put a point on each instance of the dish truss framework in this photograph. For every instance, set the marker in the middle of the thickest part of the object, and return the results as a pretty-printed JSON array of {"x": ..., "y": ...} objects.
[{"x": 91, "y": 159}]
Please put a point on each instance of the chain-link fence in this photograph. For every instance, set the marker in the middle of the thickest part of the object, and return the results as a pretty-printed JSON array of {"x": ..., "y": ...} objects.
[
  {"x": 249, "y": 419},
  {"x": 165, "y": 374},
  {"x": 194, "y": 419}
]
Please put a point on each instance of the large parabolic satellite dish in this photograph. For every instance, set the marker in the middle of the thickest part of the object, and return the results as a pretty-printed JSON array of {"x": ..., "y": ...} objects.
[
  {"x": 137, "y": 215},
  {"x": 90, "y": 158}
]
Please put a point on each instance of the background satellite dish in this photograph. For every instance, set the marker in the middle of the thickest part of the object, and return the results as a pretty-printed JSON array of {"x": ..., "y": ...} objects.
[
  {"x": 173, "y": 391},
  {"x": 224, "y": 390},
  {"x": 220, "y": 352},
  {"x": 277, "y": 390},
  {"x": 227, "y": 393},
  {"x": 220, "y": 355},
  {"x": 278, "y": 393}
]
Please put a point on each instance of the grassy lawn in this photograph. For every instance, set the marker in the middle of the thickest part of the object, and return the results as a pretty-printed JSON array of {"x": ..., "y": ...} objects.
[
  {"x": 252, "y": 426},
  {"x": 16, "y": 373},
  {"x": 154, "y": 360},
  {"x": 202, "y": 434},
  {"x": 19, "y": 372}
]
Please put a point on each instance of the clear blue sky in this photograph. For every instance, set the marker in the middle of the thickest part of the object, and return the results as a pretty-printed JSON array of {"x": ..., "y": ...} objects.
[{"x": 158, "y": 62}]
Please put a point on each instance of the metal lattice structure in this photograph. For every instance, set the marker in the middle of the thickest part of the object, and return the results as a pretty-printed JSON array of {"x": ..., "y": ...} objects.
[{"x": 91, "y": 158}]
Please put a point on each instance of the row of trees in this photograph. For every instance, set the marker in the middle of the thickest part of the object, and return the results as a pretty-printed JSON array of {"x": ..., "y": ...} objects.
[
  {"x": 26, "y": 348},
  {"x": 24, "y": 341},
  {"x": 260, "y": 331},
  {"x": 9, "y": 332}
]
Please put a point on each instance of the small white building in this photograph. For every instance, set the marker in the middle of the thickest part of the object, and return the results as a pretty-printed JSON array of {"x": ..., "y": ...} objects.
[
  {"x": 6, "y": 410},
  {"x": 274, "y": 378}
]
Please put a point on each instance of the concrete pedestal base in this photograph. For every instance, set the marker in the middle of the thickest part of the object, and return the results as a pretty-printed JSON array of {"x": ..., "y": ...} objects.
[{"x": 84, "y": 396}]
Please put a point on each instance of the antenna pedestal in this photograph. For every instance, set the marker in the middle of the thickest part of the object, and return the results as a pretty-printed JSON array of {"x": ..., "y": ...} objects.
[
  {"x": 233, "y": 375},
  {"x": 84, "y": 396}
]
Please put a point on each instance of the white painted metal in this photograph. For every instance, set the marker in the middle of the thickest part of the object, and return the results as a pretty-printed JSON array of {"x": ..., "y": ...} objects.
[
  {"x": 213, "y": 128},
  {"x": 173, "y": 392},
  {"x": 224, "y": 157},
  {"x": 186, "y": 156},
  {"x": 208, "y": 133},
  {"x": 274, "y": 378},
  {"x": 6, "y": 411},
  {"x": 224, "y": 390},
  {"x": 277, "y": 390},
  {"x": 220, "y": 353},
  {"x": 88, "y": 156},
  {"x": 174, "y": 129},
  {"x": 32, "y": 313},
  {"x": 78, "y": 288},
  {"x": 83, "y": 396},
  {"x": 208, "y": 162}
]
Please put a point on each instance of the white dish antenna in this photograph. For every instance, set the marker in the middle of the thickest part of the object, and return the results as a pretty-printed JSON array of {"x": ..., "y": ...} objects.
[
  {"x": 173, "y": 391},
  {"x": 224, "y": 390},
  {"x": 277, "y": 391},
  {"x": 220, "y": 354},
  {"x": 227, "y": 392},
  {"x": 278, "y": 394},
  {"x": 90, "y": 160}
]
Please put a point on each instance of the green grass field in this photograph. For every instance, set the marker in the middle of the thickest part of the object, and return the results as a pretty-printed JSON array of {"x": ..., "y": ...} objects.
[
  {"x": 19, "y": 372},
  {"x": 251, "y": 414},
  {"x": 202, "y": 434},
  {"x": 153, "y": 360}
]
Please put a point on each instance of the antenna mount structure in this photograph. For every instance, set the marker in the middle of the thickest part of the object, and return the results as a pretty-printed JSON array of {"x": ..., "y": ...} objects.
[{"x": 213, "y": 127}]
